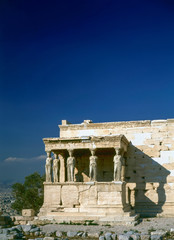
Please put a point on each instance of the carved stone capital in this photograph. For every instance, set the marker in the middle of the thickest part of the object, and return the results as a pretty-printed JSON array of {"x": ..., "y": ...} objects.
[
  {"x": 55, "y": 155},
  {"x": 119, "y": 151},
  {"x": 70, "y": 151},
  {"x": 48, "y": 154},
  {"x": 93, "y": 151}
]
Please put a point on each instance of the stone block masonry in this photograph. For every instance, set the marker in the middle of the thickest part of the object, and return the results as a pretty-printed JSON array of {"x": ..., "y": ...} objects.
[{"x": 138, "y": 155}]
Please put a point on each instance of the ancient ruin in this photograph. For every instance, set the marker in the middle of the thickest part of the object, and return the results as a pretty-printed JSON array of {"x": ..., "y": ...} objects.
[{"x": 110, "y": 172}]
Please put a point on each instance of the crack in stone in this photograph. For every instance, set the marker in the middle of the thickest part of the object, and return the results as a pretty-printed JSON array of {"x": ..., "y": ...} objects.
[{"x": 85, "y": 189}]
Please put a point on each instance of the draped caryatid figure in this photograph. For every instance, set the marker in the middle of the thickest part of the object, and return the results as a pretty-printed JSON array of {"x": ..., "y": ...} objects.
[
  {"x": 56, "y": 168},
  {"x": 118, "y": 162},
  {"x": 48, "y": 167},
  {"x": 70, "y": 166},
  {"x": 93, "y": 166}
]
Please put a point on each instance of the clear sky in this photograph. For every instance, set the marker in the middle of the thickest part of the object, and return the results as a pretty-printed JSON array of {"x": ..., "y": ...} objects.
[{"x": 104, "y": 60}]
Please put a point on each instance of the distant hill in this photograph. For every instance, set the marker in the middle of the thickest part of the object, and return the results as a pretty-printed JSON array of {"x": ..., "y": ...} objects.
[{"x": 6, "y": 199}]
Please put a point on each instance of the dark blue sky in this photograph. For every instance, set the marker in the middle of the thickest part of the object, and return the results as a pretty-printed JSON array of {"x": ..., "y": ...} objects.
[{"x": 88, "y": 59}]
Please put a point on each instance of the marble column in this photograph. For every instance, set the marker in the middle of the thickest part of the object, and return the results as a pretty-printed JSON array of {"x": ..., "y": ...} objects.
[
  {"x": 56, "y": 168},
  {"x": 123, "y": 169},
  {"x": 70, "y": 166},
  {"x": 62, "y": 167},
  {"x": 93, "y": 166},
  {"x": 48, "y": 167}
]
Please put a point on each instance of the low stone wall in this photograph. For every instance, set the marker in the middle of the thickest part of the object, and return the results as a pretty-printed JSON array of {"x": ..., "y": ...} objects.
[
  {"x": 78, "y": 194},
  {"x": 78, "y": 202}
]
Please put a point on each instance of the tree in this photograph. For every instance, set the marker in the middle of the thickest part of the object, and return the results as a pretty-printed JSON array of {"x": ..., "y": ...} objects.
[{"x": 29, "y": 194}]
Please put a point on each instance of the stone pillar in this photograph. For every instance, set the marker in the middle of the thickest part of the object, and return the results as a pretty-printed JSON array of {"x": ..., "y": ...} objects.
[
  {"x": 70, "y": 166},
  {"x": 123, "y": 169},
  {"x": 48, "y": 167},
  {"x": 56, "y": 168},
  {"x": 93, "y": 166},
  {"x": 62, "y": 167},
  {"x": 118, "y": 159},
  {"x": 132, "y": 198}
]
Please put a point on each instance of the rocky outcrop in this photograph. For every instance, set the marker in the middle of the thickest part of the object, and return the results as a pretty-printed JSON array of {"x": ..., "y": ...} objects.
[{"x": 27, "y": 232}]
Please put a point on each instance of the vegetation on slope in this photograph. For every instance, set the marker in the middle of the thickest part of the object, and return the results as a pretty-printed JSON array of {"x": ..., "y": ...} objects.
[{"x": 29, "y": 194}]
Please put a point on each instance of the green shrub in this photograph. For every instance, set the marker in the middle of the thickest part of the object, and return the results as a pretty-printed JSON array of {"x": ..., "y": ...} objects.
[{"x": 29, "y": 194}]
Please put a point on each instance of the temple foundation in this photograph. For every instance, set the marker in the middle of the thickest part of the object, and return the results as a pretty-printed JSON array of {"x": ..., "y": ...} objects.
[{"x": 102, "y": 202}]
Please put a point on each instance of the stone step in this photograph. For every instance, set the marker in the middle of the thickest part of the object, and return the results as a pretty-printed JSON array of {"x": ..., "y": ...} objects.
[
  {"x": 89, "y": 211},
  {"x": 113, "y": 220},
  {"x": 74, "y": 214},
  {"x": 68, "y": 218}
]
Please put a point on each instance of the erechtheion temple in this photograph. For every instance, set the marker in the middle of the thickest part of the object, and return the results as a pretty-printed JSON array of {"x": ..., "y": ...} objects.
[{"x": 109, "y": 172}]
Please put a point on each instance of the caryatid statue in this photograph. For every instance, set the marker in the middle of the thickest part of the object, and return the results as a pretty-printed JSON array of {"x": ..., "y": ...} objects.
[
  {"x": 118, "y": 162},
  {"x": 93, "y": 166},
  {"x": 56, "y": 168},
  {"x": 70, "y": 166},
  {"x": 48, "y": 167}
]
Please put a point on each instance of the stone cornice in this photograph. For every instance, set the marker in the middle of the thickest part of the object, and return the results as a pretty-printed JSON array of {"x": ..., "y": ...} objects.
[
  {"x": 105, "y": 125},
  {"x": 119, "y": 141},
  {"x": 111, "y": 125}
]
